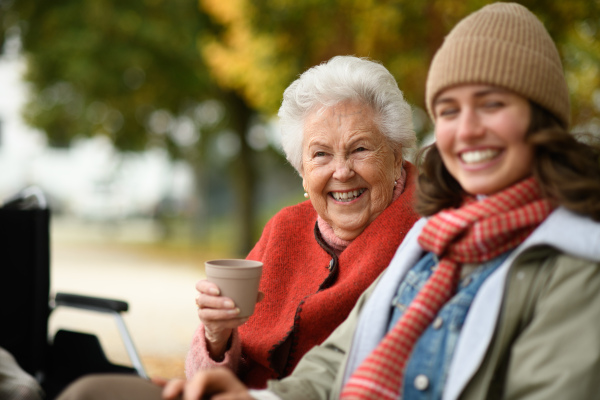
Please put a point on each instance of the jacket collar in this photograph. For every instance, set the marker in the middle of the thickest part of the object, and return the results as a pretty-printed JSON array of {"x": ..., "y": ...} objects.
[{"x": 568, "y": 232}]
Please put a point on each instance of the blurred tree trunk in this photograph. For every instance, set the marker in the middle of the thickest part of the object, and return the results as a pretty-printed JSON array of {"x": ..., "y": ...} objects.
[{"x": 244, "y": 174}]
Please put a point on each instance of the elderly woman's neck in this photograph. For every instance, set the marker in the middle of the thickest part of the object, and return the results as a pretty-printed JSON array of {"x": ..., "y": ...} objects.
[{"x": 337, "y": 244}]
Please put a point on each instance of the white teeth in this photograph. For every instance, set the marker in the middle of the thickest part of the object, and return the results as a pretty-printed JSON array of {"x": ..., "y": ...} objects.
[
  {"x": 475, "y": 156},
  {"x": 347, "y": 196}
]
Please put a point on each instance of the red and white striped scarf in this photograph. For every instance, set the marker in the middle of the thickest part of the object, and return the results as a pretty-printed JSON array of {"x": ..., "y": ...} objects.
[{"x": 474, "y": 233}]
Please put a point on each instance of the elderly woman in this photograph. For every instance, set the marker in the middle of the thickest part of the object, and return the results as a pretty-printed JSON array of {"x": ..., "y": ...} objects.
[{"x": 346, "y": 129}]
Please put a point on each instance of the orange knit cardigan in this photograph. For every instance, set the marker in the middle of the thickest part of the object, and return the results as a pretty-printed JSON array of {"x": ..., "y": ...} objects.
[{"x": 308, "y": 290}]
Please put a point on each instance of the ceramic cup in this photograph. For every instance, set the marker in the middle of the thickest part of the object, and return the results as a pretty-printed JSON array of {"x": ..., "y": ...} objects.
[{"x": 237, "y": 279}]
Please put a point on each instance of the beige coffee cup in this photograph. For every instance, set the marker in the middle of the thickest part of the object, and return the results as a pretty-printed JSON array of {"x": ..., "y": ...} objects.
[{"x": 237, "y": 279}]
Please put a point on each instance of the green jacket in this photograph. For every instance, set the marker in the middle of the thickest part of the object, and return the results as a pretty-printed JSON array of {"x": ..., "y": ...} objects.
[{"x": 541, "y": 340}]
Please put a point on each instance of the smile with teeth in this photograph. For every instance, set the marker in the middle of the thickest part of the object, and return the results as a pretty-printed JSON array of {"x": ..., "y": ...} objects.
[
  {"x": 347, "y": 196},
  {"x": 477, "y": 156}
]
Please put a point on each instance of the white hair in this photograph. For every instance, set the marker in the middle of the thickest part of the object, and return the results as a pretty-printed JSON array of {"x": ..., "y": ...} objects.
[{"x": 345, "y": 78}]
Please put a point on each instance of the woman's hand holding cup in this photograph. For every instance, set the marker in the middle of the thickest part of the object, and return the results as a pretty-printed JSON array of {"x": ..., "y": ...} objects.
[
  {"x": 219, "y": 315},
  {"x": 226, "y": 299}
]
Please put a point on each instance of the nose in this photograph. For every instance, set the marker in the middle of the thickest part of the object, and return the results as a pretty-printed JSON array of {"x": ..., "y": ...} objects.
[
  {"x": 343, "y": 169},
  {"x": 469, "y": 125}
]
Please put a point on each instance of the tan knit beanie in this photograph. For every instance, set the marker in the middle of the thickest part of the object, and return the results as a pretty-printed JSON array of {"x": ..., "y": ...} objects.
[{"x": 502, "y": 44}]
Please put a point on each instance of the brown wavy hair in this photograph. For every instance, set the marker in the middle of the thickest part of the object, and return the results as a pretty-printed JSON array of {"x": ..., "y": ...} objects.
[{"x": 566, "y": 166}]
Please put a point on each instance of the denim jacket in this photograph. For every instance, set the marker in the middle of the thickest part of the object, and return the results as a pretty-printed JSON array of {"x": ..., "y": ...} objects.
[{"x": 427, "y": 368}]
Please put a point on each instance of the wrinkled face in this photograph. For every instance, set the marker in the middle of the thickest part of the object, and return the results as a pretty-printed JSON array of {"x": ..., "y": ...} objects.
[
  {"x": 480, "y": 133},
  {"x": 348, "y": 167}
]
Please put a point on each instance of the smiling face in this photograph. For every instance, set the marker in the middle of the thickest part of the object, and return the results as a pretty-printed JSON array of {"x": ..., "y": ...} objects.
[
  {"x": 480, "y": 133},
  {"x": 348, "y": 167}
]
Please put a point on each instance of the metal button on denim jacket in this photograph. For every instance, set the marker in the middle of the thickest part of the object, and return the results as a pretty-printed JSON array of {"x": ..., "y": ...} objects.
[{"x": 428, "y": 364}]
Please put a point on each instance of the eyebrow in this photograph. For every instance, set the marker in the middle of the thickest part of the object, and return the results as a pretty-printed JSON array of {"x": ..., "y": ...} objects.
[
  {"x": 355, "y": 137},
  {"x": 442, "y": 100},
  {"x": 317, "y": 142},
  {"x": 478, "y": 94}
]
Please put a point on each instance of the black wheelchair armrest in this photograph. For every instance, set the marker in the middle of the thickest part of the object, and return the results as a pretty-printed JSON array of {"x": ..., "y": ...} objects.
[
  {"x": 110, "y": 306},
  {"x": 90, "y": 303}
]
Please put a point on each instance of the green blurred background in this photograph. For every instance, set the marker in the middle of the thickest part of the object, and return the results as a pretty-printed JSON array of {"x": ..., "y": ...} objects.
[{"x": 202, "y": 81}]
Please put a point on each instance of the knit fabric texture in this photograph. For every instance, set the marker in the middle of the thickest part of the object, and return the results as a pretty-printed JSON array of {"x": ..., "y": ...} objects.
[
  {"x": 476, "y": 232},
  {"x": 306, "y": 299},
  {"x": 504, "y": 45},
  {"x": 198, "y": 358}
]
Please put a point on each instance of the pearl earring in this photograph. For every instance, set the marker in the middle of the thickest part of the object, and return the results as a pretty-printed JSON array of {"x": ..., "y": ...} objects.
[{"x": 306, "y": 195}]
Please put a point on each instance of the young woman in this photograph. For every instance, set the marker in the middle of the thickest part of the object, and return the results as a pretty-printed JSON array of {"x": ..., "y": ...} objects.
[{"x": 495, "y": 294}]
